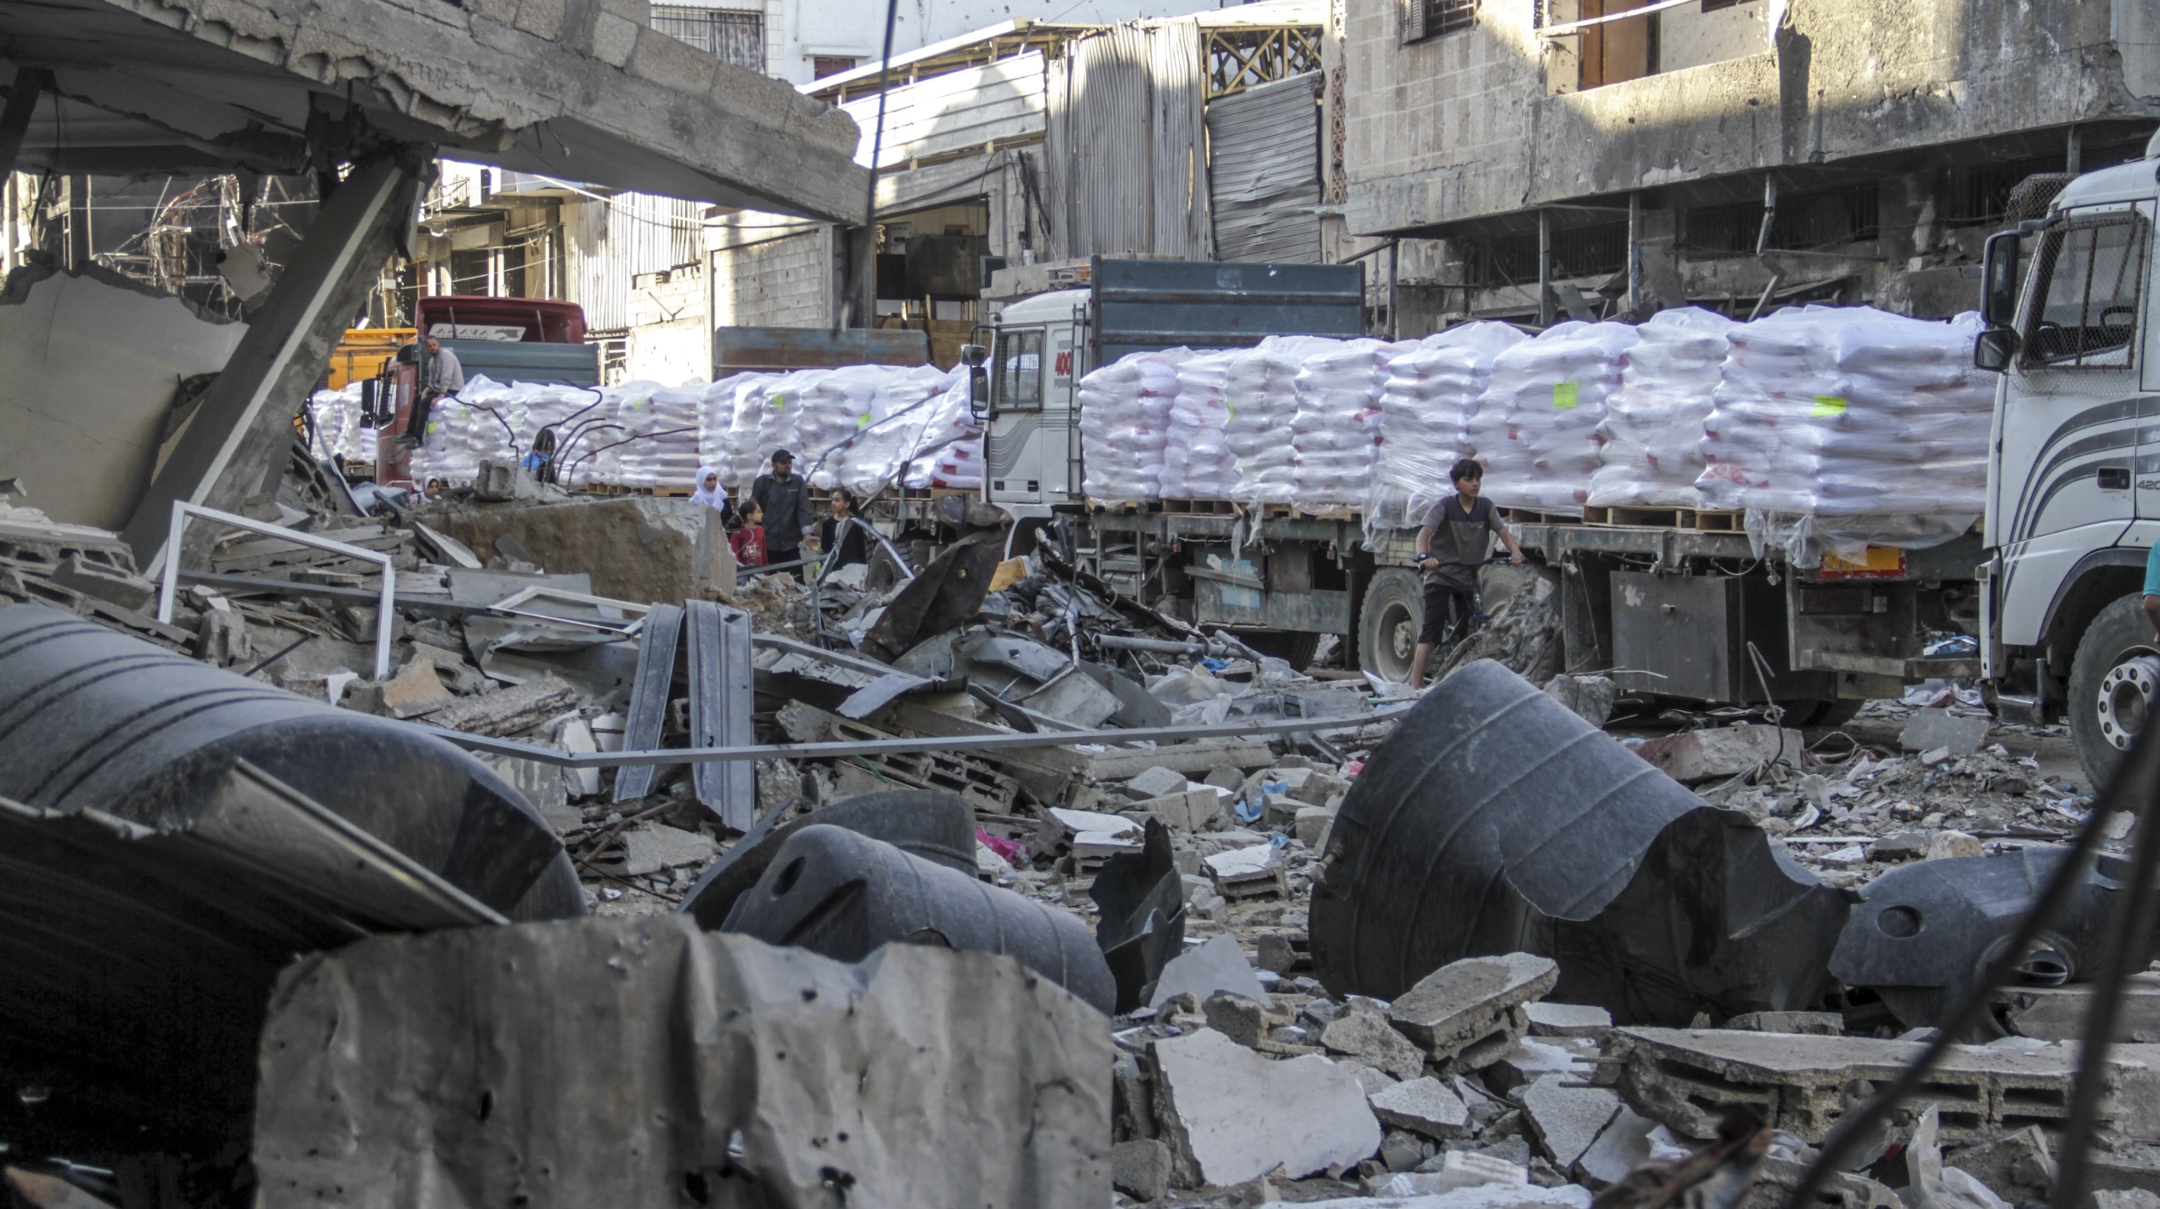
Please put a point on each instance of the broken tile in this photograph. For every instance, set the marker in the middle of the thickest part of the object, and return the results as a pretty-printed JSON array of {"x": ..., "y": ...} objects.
[
  {"x": 1230, "y": 1115},
  {"x": 653, "y": 848},
  {"x": 1622, "y": 1146},
  {"x": 1154, "y": 783},
  {"x": 1367, "y": 1035},
  {"x": 1188, "y": 810},
  {"x": 1423, "y": 1105},
  {"x": 2019, "y": 1166},
  {"x": 415, "y": 690},
  {"x": 1218, "y": 965}
]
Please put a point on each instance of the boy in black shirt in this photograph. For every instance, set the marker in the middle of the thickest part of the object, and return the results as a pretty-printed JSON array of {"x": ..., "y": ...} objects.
[{"x": 1451, "y": 547}]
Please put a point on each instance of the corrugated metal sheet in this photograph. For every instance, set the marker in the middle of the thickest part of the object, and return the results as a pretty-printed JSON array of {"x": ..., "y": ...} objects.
[
  {"x": 1265, "y": 174},
  {"x": 957, "y": 112},
  {"x": 1125, "y": 143},
  {"x": 609, "y": 242}
]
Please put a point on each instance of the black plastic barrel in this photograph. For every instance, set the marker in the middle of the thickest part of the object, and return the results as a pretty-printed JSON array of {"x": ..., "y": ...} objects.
[
  {"x": 91, "y": 717},
  {"x": 842, "y": 894},
  {"x": 929, "y": 823},
  {"x": 1494, "y": 820}
]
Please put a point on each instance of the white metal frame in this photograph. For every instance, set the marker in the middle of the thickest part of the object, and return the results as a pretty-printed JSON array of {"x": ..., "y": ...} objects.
[
  {"x": 182, "y": 510},
  {"x": 627, "y": 627}
]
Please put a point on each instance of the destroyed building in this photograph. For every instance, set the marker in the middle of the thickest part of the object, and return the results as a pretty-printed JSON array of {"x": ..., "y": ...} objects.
[{"x": 1562, "y": 159}]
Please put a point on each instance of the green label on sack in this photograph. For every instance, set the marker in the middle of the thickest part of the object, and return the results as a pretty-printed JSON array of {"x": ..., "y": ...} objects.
[
  {"x": 1229, "y": 409},
  {"x": 862, "y": 420},
  {"x": 779, "y": 401},
  {"x": 1565, "y": 395},
  {"x": 1828, "y": 405}
]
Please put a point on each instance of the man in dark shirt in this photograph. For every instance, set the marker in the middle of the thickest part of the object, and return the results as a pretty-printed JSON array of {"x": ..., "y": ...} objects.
[
  {"x": 786, "y": 501},
  {"x": 1454, "y": 543}
]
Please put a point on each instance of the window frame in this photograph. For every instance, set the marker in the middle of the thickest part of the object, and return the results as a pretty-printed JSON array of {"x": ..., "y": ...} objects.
[
  {"x": 1456, "y": 17},
  {"x": 1008, "y": 371},
  {"x": 2048, "y": 256}
]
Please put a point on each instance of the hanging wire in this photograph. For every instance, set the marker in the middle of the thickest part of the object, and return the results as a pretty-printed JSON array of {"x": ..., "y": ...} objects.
[{"x": 863, "y": 276}]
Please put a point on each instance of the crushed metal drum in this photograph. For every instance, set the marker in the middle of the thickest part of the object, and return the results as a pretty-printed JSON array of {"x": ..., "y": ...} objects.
[
  {"x": 1496, "y": 820},
  {"x": 1142, "y": 899},
  {"x": 936, "y": 826}
]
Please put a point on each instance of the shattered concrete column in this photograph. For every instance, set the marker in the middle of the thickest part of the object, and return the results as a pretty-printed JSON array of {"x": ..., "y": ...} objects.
[{"x": 235, "y": 446}]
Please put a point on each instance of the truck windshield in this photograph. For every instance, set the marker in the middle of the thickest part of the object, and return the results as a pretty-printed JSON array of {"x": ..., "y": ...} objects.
[
  {"x": 2090, "y": 274},
  {"x": 1019, "y": 353}
]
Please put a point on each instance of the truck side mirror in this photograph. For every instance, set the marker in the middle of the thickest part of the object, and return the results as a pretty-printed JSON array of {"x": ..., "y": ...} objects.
[
  {"x": 1996, "y": 348},
  {"x": 974, "y": 356},
  {"x": 1998, "y": 280}
]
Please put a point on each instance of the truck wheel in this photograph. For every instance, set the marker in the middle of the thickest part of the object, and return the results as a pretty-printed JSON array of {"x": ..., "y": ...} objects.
[
  {"x": 1291, "y": 646},
  {"x": 1388, "y": 624},
  {"x": 2112, "y": 681},
  {"x": 1814, "y": 711}
]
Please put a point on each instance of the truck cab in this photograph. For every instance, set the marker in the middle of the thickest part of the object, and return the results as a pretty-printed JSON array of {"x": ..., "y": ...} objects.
[
  {"x": 1031, "y": 443},
  {"x": 2074, "y": 479}
]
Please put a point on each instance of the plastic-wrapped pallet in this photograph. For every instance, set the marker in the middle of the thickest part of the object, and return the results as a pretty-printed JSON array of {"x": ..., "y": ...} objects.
[
  {"x": 1431, "y": 393},
  {"x": 834, "y": 408},
  {"x": 1125, "y": 424},
  {"x": 1536, "y": 424},
  {"x": 1260, "y": 392},
  {"x": 336, "y": 416},
  {"x": 959, "y": 464},
  {"x": 578, "y": 415},
  {"x": 1836, "y": 427},
  {"x": 1653, "y": 427},
  {"x": 716, "y": 423},
  {"x": 1197, "y": 462},
  {"x": 780, "y": 421},
  {"x": 743, "y": 462},
  {"x": 462, "y": 430},
  {"x": 914, "y": 412},
  {"x": 660, "y": 435},
  {"x": 1336, "y": 433}
]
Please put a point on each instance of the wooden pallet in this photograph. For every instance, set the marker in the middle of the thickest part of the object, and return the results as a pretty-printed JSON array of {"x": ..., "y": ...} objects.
[
  {"x": 1530, "y": 516},
  {"x": 1200, "y": 507},
  {"x": 1628, "y": 516},
  {"x": 1712, "y": 521},
  {"x": 1295, "y": 512}
]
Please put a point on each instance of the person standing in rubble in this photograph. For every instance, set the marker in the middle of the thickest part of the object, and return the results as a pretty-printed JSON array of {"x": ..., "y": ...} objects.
[
  {"x": 748, "y": 542},
  {"x": 444, "y": 377},
  {"x": 785, "y": 500},
  {"x": 844, "y": 542},
  {"x": 1455, "y": 542}
]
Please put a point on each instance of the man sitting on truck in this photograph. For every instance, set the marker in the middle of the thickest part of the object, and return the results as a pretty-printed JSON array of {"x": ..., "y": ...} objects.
[
  {"x": 1454, "y": 543},
  {"x": 444, "y": 377}
]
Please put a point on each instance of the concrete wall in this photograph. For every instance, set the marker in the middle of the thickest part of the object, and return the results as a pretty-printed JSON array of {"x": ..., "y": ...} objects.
[
  {"x": 775, "y": 282},
  {"x": 91, "y": 361},
  {"x": 1467, "y": 125},
  {"x": 670, "y": 337},
  {"x": 804, "y": 29}
]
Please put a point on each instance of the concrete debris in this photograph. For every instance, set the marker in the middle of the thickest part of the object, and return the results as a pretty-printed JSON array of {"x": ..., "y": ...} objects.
[
  {"x": 1622, "y": 1146},
  {"x": 1590, "y": 696},
  {"x": 1206, "y": 970},
  {"x": 1726, "y": 751},
  {"x": 1156, "y": 782},
  {"x": 1953, "y": 734},
  {"x": 1567, "y": 1120},
  {"x": 1367, "y": 1036},
  {"x": 1566, "y": 1019},
  {"x": 1469, "y": 1012},
  {"x": 1821, "y": 1024},
  {"x": 1230, "y": 1115},
  {"x": 1423, "y": 1105},
  {"x": 915, "y": 1069},
  {"x": 508, "y": 711},
  {"x": 1933, "y": 1186},
  {"x": 652, "y": 849},
  {"x": 2018, "y": 1166},
  {"x": 1140, "y": 1168}
]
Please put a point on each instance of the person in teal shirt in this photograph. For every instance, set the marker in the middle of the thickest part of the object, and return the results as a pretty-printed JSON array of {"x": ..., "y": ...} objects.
[{"x": 2152, "y": 589}]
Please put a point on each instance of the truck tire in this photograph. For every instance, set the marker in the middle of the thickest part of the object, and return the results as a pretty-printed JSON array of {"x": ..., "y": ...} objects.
[
  {"x": 1815, "y": 711},
  {"x": 2112, "y": 681},
  {"x": 1293, "y": 647},
  {"x": 1389, "y": 622}
]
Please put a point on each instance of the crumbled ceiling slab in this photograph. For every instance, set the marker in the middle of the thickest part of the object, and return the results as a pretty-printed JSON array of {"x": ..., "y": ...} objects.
[{"x": 582, "y": 90}]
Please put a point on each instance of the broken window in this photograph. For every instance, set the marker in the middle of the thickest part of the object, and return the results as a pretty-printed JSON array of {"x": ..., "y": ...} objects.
[
  {"x": 1512, "y": 260},
  {"x": 725, "y": 34},
  {"x": 1020, "y": 370},
  {"x": 830, "y": 65},
  {"x": 1432, "y": 18},
  {"x": 2088, "y": 278},
  {"x": 1804, "y": 222}
]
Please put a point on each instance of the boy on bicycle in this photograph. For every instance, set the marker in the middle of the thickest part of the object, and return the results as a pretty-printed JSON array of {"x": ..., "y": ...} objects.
[{"x": 1454, "y": 543}]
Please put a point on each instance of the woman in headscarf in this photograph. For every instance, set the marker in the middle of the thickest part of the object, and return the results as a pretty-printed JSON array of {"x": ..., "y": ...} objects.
[{"x": 709, "y": 491}]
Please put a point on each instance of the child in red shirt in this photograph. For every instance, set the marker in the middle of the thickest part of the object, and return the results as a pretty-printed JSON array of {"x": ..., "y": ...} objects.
[{"x": 748, "y": 542}]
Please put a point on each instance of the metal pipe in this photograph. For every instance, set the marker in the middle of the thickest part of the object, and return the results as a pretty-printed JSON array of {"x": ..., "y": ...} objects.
[
  {"x": 1018, "y": 740},
  {"x": 1394, "y": 311},
  {"x": 1762, "y": 245},
  {"x": 1164, "y": 646},
  {"x": 1634, "y": 255},
  {"x": 1544, "y": 268}
]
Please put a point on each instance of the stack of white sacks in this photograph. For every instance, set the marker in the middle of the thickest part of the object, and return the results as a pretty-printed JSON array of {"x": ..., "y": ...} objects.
[
  {"x": 465, "y": 429},
  {"x": 336, "y": 415},
  {"x": 1536, "y": 424},
  {"x": 1125, "y": 424},
  {"x": 1653, "y": 429},
  {"x": 660, "y": 435},
  {"x": 1261, "y": 396},
  {"x": 1431, "y": 393},
  {"x": 1197, "y": 462},
  {"x": 1851, "y": 412},
  {"x": 1335, "y": 435}
]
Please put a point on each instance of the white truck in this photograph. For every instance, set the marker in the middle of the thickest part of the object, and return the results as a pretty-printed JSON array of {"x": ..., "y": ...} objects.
[
  {"x": 2074, "y": 483},
  {"x": 2049, "y": 588}
]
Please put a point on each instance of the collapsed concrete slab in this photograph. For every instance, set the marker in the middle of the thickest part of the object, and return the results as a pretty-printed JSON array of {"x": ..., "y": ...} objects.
[
  {"x": 619, "y": 1062},
  {"x": 1231, "y": 1115},
  {"x": 1680, "y": 1077},
  {"x": 1567, "y": 1120},
  {"x": 1471, "y": 1011},
  {"x": 598, "y": 535}
]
